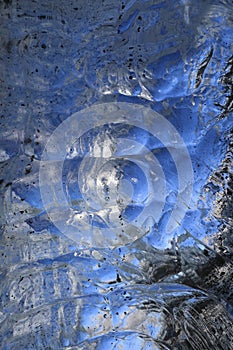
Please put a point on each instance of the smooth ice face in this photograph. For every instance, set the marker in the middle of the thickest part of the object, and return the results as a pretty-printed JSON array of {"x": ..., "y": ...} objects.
[
  {"x": 121, "y": 183},
  {"x": 116, "y": 175}
]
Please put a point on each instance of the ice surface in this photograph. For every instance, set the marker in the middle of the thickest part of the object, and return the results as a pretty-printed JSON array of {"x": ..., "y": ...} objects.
[{"x": 147, "y": 289}]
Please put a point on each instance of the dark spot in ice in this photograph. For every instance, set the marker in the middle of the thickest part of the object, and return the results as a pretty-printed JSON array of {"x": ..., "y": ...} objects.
[
  {"x": 118, "y": 278},
  {"x": 27, "y": 140},
  {"x": 9, "y": 46},
  {"x": 7, "y": 2}
]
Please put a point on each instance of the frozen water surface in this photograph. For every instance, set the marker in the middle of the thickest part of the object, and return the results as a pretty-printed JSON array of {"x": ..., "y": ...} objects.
[{"x": 116, "y": 175}]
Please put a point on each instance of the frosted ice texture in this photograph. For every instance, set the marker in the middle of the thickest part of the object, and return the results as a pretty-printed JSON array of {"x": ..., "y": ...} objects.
[{"x": 57, "y": 58}]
